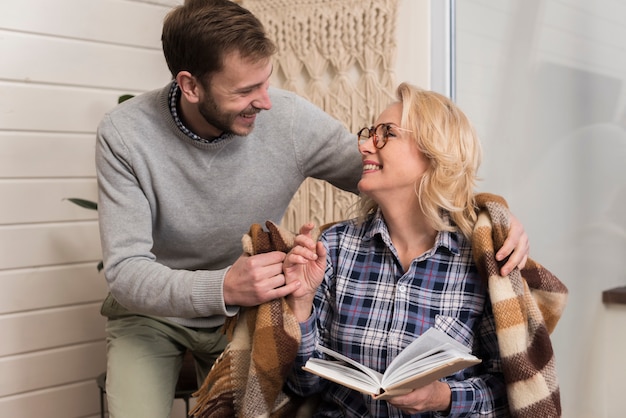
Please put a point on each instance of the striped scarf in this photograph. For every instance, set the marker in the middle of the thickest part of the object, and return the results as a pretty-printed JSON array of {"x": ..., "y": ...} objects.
[{"x": 527, "y": 305}]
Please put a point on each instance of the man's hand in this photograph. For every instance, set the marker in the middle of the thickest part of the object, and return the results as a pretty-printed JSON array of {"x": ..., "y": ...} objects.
[
  {"x": 257, "y": 279},
  {"x": 516, "y": 247}
]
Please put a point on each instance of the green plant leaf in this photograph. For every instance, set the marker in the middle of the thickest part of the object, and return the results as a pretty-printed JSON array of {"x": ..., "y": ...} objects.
[
  {"x": 83, "y": 203},
  {"x": 124, "y": 97}
]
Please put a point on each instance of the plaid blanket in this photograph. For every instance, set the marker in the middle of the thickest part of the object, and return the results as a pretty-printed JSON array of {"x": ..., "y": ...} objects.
[
  {"x": 527, "y": 305},
  {"x": 247, "y": 379}
]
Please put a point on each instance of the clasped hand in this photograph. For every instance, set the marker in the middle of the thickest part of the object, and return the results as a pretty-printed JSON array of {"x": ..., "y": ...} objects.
[{"x": 255, "y": 279}]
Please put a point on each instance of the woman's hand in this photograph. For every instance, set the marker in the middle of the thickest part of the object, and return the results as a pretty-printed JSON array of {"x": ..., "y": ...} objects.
[
  {"x": 306, "y": 263},
  {"x": 435, "y": 396}
]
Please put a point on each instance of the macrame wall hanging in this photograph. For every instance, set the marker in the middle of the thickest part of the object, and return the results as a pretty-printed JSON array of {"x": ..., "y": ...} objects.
[{"x": 339, "y": 54}]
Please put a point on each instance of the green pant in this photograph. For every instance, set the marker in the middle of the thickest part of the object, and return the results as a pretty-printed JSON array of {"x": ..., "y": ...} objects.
[{"x": 144, "y": 357}]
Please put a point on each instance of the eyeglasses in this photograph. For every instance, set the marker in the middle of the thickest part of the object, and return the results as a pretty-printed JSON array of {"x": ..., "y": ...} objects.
[{"x": 380, "y": 133}]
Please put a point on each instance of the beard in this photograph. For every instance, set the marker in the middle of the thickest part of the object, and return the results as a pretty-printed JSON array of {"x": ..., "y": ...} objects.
[{"x": 223, "y": 120}]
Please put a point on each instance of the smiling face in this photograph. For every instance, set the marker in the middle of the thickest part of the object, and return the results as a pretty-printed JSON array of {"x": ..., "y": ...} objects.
[
  {"x": 394, "y": 171},
  {"x": 235, "y": 95}
]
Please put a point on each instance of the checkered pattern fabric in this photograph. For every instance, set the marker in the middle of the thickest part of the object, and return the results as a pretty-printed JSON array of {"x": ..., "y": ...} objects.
[
  {"x": 247, "y": 380},
  {"x": 527, "y": 305}
]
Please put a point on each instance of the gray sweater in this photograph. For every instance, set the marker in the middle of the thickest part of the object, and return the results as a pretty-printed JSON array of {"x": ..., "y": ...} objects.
[{"x": 172, "y": 210}]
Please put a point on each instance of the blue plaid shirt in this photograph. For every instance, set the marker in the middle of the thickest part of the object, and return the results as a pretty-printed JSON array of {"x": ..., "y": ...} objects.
[{"x": 368, "y": 308}]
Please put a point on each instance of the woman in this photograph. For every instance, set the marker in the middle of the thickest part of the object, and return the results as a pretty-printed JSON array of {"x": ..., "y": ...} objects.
[{"x": 374, "y": 284}]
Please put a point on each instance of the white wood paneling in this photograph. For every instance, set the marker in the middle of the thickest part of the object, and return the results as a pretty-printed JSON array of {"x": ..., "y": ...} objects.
[
  {"x": 83, "y": 63},
  {"x": 44, "y": 369},
  {"x": 77, "y": 400},
  {"x": 50, "y": 328},
  {"x": 103, "y": 21},
  {"x": 26, "y": 107},
  {"x": 51, "y": 202},
  {"x": 24, "y": 246},
  {"x": 48, "y": 287},
  {"x": 64, "y": 64},
  {"x": 45, "y": 200},
  {"x": 42, "y": 154}
]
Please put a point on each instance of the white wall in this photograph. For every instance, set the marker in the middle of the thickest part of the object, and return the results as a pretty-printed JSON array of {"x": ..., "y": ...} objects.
[
  {"x": 64, "y": 63},
  {"x": 544, "y": 82},
  {"x": 413, "y": 42}
]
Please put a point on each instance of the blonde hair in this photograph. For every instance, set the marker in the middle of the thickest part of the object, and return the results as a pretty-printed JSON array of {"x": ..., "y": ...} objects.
[{"x": 446, "y": 137}]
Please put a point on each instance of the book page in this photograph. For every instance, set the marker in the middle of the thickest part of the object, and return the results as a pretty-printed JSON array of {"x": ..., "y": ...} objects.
[
  {"x": 343, "y": 374},
  {"x": 373, "y": 374},
  {"x": 429, "y": 342},
  {"x": 452, "y": 359},
  {"x": 426, "y": 377},
  {"x": 403, "y": 371}
]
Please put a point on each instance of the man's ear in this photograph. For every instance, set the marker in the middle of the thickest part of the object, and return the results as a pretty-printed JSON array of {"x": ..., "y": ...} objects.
[{"x": 189, "y": 86}]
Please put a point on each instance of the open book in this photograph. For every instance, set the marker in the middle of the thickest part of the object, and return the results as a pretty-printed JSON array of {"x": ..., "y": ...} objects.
[{"x": 431, "y": 356}]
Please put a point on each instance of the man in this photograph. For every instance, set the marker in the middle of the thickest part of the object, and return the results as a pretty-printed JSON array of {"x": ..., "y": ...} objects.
[{"x": 183, "y": 172}]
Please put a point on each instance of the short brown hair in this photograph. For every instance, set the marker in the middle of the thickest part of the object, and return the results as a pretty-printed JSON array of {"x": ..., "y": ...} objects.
[{"x": 200, "y": 33}]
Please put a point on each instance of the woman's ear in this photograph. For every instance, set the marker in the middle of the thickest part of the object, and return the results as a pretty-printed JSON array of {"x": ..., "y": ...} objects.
[{"x": 189, "y": 86}]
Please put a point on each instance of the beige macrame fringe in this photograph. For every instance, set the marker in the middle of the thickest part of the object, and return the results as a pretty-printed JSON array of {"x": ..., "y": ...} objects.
[{"x": 339, "y": 54}]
